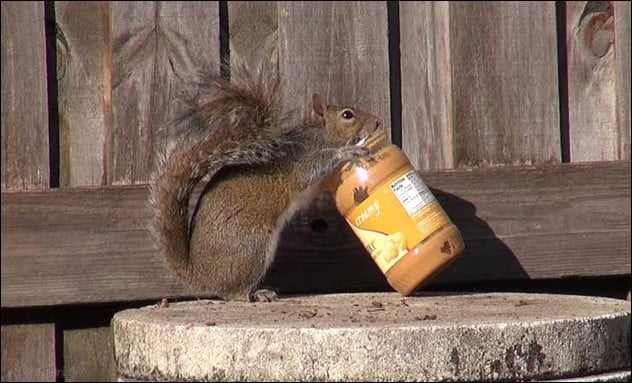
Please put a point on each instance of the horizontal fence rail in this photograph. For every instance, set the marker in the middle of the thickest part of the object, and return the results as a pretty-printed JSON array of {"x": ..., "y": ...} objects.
[{"x": 81, "y": 245}]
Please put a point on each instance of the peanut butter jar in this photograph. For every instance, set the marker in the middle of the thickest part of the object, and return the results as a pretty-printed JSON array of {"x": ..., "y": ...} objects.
[{"x": 396, "y": 217}]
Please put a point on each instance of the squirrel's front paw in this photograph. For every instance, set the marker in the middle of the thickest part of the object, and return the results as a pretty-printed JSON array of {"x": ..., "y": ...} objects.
[{"x": 354, "y": 153}]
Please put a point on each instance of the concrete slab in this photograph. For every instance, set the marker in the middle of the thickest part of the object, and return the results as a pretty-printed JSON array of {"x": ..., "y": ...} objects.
[
  {"x": 620, "y": 376},
  {"x": 377, "y": 337}
]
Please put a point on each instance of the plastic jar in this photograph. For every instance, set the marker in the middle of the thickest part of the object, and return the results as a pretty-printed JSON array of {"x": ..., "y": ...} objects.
[{"x": 396, "y": 217}]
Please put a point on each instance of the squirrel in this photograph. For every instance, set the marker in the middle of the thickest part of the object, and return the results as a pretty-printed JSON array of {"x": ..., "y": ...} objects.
[{"x": 263, "y": 169}]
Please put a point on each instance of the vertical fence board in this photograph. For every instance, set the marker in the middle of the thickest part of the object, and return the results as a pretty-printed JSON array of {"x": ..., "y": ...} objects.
[
  {"x": 28, "y": 352},
  {"x": 24, "y": 97},
  {"x": 427, "y": 90},
  {"x": 89, "y": 355},
  {"x": 593, "y": 132},
  {"x": 80, "y": 79},
  {"x": 339, "y": 49},
  {"x": 505, "y": 82},
  {"x": 622, "y": 64},
  {"x": 158, "y": 47},
  {"x": 253, "y": 31}
]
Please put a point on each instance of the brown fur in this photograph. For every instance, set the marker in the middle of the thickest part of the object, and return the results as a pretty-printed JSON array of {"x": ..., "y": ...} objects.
[{"x": 266, "y": 169}]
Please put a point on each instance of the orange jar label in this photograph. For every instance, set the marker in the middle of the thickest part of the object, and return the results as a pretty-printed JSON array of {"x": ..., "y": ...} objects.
[{"x": 396, "y": 217}]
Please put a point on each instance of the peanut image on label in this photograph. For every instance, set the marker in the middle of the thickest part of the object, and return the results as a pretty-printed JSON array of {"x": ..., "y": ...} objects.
[{"x": 393, "y": 247}]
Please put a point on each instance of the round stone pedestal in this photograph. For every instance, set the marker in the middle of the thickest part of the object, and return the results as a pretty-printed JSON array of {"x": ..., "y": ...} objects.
[{"x": 378, "y": 337}]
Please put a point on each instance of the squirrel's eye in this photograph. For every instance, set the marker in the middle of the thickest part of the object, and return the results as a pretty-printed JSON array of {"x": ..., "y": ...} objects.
[{"x": 347, "y": 114}]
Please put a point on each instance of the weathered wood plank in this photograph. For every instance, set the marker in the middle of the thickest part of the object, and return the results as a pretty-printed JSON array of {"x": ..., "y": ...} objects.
[
  {"x": 592, "y": 115},
  {"x": 561, "y": 221},
  {"x": 24, "y": 96},
  {"x": 339, "y": 49},
  {"x": 81, "y": 55},
  {"x": 28, "y": 352},
  {"x": 89, "y": 355},
  {"x": 253, "y": 30},
  {"x": 427, "y": 126},
  {"x": 91, "y": 244},
  {"x": 622, "y": 65},
  {"x": 88, "y": 233},
  {"x": 158, "y": 48},
  {"x": 505, "y": 83}
]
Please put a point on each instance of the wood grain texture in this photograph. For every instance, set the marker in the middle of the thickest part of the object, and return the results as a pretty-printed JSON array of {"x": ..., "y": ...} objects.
[
  {"x": 24, "y": 96},
  {"x": 339, "y": 49},
  {"x": 593, "y": 131},
  {"x": 81, "y": 87},
  {"x": 89, "y": 355},
  {"x": 28, "y": 352},
  {"x": 547, "y": 222},
  {"x": 505, "y": 83},
  {"x": 622, "y": 65},
  {"x": 157, "y": 50},
  {"x": 101, "y": 234},
  {"x": 253, "y": 30},
  {"x": 518, "y": 222},
  {"x": 427, "y": 125}
]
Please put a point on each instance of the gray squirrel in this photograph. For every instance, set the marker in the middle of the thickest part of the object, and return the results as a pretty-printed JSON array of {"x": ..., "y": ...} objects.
[{"x": 264, "y": 168}]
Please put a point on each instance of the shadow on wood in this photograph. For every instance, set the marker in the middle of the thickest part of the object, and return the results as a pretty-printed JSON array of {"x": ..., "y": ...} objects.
[
  {"x": 486, "y": 256},
  {"x": 319, "y": 252}
]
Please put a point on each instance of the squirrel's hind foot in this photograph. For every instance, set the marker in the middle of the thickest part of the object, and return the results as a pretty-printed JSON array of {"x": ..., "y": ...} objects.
[{"x": 262, "y": 295}]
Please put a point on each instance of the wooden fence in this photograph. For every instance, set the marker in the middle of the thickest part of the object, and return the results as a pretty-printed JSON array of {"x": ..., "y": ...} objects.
[{"x": 517, "y": 114}]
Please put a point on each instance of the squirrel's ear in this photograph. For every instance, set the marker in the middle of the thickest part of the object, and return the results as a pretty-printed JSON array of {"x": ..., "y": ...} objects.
[{"x": 317, "y": 108}]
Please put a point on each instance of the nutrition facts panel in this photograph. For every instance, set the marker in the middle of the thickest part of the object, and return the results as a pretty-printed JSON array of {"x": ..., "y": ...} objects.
[{"x": 412, "y": 192}]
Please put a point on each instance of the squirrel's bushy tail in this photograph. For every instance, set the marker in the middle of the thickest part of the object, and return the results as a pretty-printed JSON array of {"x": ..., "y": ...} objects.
[{"x": 236, "y": 122}]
